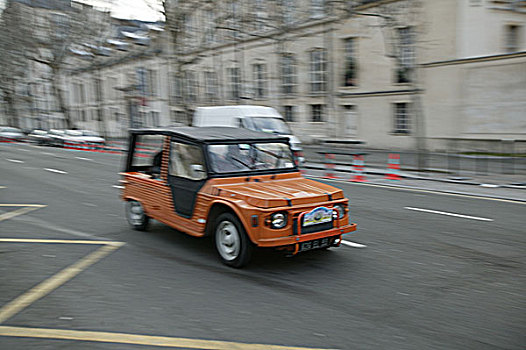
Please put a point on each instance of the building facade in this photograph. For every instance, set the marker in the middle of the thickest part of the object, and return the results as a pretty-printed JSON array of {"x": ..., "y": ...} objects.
[{"x": 388, "y": 73}]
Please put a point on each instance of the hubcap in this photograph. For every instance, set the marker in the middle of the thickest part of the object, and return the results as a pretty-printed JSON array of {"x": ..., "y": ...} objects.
[
  {"x": 135, "y": 213},
  {"x": 228, "y": 241}
]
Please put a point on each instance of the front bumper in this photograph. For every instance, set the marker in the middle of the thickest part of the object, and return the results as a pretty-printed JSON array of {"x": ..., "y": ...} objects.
[{"x": 295, "y": 239}]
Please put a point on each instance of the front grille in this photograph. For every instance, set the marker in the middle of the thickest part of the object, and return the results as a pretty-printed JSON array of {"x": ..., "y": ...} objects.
[{"x": 317, "y": 228}]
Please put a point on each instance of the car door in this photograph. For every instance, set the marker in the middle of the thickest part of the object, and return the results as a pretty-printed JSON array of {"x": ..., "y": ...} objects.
[{"x": 186, "y": 175}]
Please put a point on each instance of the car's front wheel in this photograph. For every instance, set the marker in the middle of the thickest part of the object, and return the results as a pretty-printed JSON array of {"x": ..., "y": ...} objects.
[
  {"x": 136, "y": 216},
  {"x": 232, "y": 243}
]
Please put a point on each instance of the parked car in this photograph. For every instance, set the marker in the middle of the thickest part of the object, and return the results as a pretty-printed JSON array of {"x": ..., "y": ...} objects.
[
  {"x": 257, "y": 118},
  {"x": 240, "y": 186},
  {"x": 40, "y": 137},
  {"x": 83, "y": 137},
  {"x": 8, "y": 133},
  {"x": 91, "y": 137},
  {"x": 57, "y": 137}
]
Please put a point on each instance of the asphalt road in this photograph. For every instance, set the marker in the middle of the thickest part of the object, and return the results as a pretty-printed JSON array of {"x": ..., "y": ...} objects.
[{"x": 430, "y": 271}]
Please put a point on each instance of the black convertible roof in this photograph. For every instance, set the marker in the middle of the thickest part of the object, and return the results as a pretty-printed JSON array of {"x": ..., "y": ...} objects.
[{"x": 215, "y": 134}]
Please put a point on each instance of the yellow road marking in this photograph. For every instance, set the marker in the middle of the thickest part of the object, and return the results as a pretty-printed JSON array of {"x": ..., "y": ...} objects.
[
  {"x": 2, "y": 187},
  {"x": 55, "y": 281},
  {"x": 136, "y": 339},
  {"x": 26, "y": 209},
  {"x": 59, "y": 241}
]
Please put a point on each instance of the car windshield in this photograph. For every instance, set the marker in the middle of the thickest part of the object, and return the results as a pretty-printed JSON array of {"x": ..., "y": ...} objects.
[
  {"x": 90, "y": 133},
  {"x": 266, "y": 124},
  {"x": 250, "y": 157}
]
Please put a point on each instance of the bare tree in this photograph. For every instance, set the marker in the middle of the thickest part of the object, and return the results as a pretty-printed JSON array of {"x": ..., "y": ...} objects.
[
  {"x": 401, "y": 27},
  {"x": 58, "y": 36},
  {"x": 186, "y": 40},
  {"x": 15, "y": 46}
]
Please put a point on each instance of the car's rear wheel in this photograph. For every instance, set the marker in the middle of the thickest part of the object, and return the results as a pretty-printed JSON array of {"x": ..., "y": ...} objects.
[
  {"x": 136, "y": 216},
  {"x": 232, "y": 243}
]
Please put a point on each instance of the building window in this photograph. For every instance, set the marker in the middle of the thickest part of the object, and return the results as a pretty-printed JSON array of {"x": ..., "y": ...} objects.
[
  {"x": 260, "y": 80},
  {"x": 234, "y": 80},
  {"x": 154, "y": 119},
  {"x": 209, "y": 27},
  {"x": 111, "y": 84},
  {"x": 316, "y": 113},
  {"x": 191, "y": 87},
  {"x": 152, "y": 83},
  {"x": 401, "y": 118},
  {"x": 210, "y": 85},
  {"x": 350, "y": 74},
  {"x": 317, "y": 9},
  {"x": 288, "y": 74},
  {"x": 512, "y": 38},
  {"x": 176, "y": 90},
  {"x": 289, "y": 113},
  {"x": 178, "y": 117},
  {"x": 289, "y": 11},
  {"x": 260, "y": 14},
  {"x": 318, "y": 70},
  {"x": 406, "y": 55}
]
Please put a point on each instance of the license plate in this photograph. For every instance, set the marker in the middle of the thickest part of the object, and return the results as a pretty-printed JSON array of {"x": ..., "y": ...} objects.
[
  {"x": 315, "y": 244},
  {"x": 316, "y": 216}
]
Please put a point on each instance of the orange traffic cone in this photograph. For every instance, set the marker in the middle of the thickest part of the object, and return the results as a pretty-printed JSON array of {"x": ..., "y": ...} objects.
[
  {"x": 358, "y": 169},
  {"x": 393, "y": 167},
  {"x": 329, "y": 166}
]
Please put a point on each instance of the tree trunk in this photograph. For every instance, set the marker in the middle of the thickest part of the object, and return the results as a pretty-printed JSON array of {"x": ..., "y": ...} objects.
[
  {"x": 57, "y": 91},
  {"x": 12, "y": 113}
]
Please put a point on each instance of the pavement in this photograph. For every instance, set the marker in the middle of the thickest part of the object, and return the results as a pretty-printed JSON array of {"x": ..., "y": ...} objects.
[{"x": 426, "y": 269}]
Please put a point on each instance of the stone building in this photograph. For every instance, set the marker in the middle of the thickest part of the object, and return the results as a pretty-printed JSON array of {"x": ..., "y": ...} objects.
[{"x": 397, "y": 74}]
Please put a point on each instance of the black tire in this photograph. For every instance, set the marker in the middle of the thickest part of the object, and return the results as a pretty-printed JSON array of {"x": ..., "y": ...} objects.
[
  {"x": 231, "y": 241},
  {"x": 135, "y": 215}
]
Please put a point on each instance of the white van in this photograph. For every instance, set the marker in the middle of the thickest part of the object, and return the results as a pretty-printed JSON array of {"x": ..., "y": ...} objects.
[{"x": 257, "y": 118}]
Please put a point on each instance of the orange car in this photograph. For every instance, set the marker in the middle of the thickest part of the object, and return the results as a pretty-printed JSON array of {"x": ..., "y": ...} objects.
[{"x": 241, "y": 186}]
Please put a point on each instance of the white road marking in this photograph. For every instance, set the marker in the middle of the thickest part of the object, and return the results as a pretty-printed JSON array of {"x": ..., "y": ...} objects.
[
  {"x": 23, "y": 149},
  {"x": 14, "y": 160},
  {"x": 82, "y": 158},
  {"x": 116, "y": 186},
  {"x": 449, "y": 214},
  {"x": 65, "y": 318},
  {"x": 353, "y": 244},
  {"x": 489, "y": 185},
  {"x": 56, "y": 171},
  {"x": 414, "y": 189},
  {"x": 48, "y": 154}
]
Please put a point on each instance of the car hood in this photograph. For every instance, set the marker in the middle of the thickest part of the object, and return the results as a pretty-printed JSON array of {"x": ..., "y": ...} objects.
[{"x": 279, "y": 193}]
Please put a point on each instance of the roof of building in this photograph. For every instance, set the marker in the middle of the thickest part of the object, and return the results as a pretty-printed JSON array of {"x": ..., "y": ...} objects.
[{"x": 214, "y": 134}]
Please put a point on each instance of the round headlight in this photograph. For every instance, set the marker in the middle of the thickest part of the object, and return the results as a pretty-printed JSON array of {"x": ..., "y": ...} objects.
[
  {"x": 278, "y": 220},
  {"x": 340, "y": 209}
]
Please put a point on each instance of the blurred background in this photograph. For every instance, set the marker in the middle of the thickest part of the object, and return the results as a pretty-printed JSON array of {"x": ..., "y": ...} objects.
[{"x": 412, "y": 75}]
